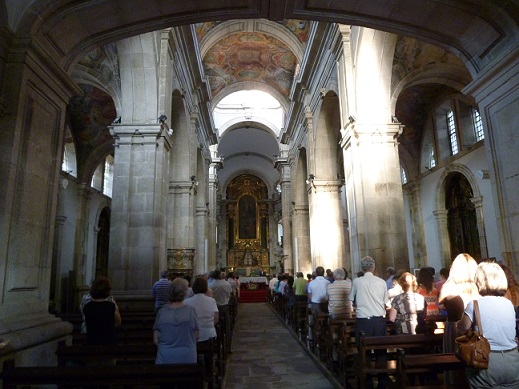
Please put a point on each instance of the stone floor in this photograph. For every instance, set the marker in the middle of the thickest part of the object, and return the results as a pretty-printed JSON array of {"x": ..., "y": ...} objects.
[{"x": 266, "y": 354}]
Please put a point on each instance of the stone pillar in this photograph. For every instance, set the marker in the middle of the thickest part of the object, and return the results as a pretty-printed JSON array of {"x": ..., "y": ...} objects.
[
  {"x": 201, "y": 222},
  {"x": 415, "y": 209},
  {"x": 374, "y": 195},
  {"x": 223, "y": 234},
  {"x": 496, "y": 92},
  {"x": 283, "y": 165},
  {"x": 83, "y": 276},
  {"x": 443, "y": 235},
  {"x": 478, "y": 205},
  {"x": 182, "y": 224},
  {"x": 55, "y": 282},
  {"x": 35, "y": 93},
  {"x": 213, "y": 216},
  {"x": 137, "y": 239},
  {"x": 326, "y": 226}
]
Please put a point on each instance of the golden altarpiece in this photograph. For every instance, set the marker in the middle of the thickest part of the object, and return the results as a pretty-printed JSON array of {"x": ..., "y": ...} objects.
[{"x": 247, "y": 225}]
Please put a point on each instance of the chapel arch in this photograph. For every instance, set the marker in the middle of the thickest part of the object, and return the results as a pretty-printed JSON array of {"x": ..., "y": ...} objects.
[{"x": 459, "y": 212}]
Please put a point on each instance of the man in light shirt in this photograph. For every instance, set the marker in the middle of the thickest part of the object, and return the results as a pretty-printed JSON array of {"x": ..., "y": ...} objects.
[{"x": 369, "y": 295}]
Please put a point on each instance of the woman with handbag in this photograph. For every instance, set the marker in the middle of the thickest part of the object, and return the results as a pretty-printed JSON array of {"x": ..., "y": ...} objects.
[{"x": 498, "y": 321}]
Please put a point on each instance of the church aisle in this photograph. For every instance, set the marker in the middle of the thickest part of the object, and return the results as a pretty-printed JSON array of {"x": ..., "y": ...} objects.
[{"x": 266, "y": 354}]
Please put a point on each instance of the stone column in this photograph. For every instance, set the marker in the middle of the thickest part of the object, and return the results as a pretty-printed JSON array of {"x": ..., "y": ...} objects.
[
  {"x": 374, "y": 195},
  {"x": 443, "y": 235},
  {"x": 497, "y": 95},
  {"x": 55, "y": 283},
  {"x": 83, "y": 276},
  {"x": 326, "y": 226},
  {"x": 35, "y": 93},
  {"x": 478, "y": 204},
  {"x": 415, "y": 209},
  {"x": 283, "y": 165},
  {"x": 138, "y": 206},
  {"x": 201, "y": 225},
  {"x": 213, "y": 213}
]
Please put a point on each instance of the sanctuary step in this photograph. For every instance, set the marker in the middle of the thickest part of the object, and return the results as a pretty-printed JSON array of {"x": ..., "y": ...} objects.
[{"x": 253, "y": 296}]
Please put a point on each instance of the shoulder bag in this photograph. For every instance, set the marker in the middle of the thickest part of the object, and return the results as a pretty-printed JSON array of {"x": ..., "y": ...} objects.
[{"x": 473, "y": 348}]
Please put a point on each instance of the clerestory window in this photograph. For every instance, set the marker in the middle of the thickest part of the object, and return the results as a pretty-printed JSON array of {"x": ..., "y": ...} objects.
[
  {"x": 452, "y": 132},
  {"x": 478, "y": 125}
]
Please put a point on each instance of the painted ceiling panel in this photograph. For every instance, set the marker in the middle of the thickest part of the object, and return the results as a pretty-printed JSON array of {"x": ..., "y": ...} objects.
[{"x": 250, "y": 57}]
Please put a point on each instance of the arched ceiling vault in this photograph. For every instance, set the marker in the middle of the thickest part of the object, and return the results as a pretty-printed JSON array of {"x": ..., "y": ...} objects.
[{"x": 479, "y": 30}]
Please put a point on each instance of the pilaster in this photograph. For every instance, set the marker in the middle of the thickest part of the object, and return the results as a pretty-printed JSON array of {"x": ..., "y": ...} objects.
[
  {"x": 138, "y": 205},
  {"x": 374, "y": 194},
  {"x": 283, "y": 164}
]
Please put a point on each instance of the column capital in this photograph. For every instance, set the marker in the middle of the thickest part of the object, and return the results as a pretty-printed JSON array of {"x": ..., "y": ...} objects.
[
  {"x": 136, "y": 134},
  {"x": 371, "y": 133}
]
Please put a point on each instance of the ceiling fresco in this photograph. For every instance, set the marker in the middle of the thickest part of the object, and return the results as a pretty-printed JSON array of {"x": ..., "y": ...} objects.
[
  {"x": 300, "y": 29},
  {"x": 104, "y": 60},
  {"x": 411, "y": 54},
  {"x": 248, "y": 56},
  {"x": 89, "y": 118}
]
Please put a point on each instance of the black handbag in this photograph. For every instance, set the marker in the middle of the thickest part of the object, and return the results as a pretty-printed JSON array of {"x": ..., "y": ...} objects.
[{"x": 473, "y": 348}]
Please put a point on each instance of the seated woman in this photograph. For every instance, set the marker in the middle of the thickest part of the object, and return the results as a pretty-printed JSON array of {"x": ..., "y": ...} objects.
[
  {"x": 206, "y": 309},
  {"x": 408, "y": 307},
  {"x": 498, "y": 321},
  {"x": 175, "y": 331}
]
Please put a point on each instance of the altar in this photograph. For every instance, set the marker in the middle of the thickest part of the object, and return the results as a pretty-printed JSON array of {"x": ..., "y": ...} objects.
[
  {"x": 253, "y": 279},
  {"x": 253, "y": 282}
]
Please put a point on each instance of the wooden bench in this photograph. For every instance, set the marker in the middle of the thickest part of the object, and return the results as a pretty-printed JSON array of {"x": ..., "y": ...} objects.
[
  {"x": 188, "y": 375},
  {"x": 426, "y": 364},
  {"x": 389, "y": 343},
  {"x": 128, "y": 354}
]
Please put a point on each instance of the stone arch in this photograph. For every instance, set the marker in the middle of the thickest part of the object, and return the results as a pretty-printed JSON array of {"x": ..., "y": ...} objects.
[
  {"x": 54, "y": 24},
  {"x": 256, "y": 122},
  {"x": 441, "y": 211},
  {"x": 182, "y": 157},
  {"x": 250, "y": 85},
  {"x": 261, "y": 26},
  {"x": 94, "y": 159},
  {"x": 449, "y": 75}
]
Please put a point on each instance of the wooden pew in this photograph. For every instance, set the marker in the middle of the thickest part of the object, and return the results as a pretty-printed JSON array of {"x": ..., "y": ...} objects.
[
  {"x": 131, "y": 376},
  {"x": 423, "y": 364},
  {"x": 128, "y": 354},
  {"x": 334, "y": 339},
  {"x": 364, "y": 366}
]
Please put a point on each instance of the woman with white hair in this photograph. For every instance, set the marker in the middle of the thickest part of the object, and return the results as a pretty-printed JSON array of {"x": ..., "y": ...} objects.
[
  {"x": 498, "y": 321},
  {"x": 175, "y": 330}
]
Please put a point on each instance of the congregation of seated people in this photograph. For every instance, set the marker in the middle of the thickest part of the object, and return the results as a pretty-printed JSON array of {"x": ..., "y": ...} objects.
[{"x": 335, "y": 317}]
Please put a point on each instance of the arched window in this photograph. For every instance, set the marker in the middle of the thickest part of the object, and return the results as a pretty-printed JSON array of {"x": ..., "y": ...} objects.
[
  {"x": 68, "y": 164},
  {"x": 403, "y": 176},
  {"x": 103, "y": 176},
  {"x": 478, "y": 125},
  {"x": 453, "y": 137}
]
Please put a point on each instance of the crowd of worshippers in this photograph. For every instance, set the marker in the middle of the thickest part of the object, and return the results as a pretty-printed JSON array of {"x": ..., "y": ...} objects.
[
  {"x": 415, "y": 304},
  {"x": 187, "y": 310}
]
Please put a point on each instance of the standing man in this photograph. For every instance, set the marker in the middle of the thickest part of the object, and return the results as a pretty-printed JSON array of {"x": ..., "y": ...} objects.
[
  {"x": 369, "y": 295},
  {"x": 160, "y": 290},
  {"x": 317, "y": 291},
  {"x": 338, "y": 294},
  {"x": 221, "y": 293},
  {"x": 299, "y": 287}
]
